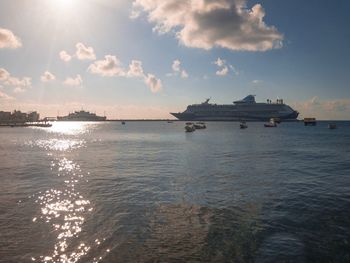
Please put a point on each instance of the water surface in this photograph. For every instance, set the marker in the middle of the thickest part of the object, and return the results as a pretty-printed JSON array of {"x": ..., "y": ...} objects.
[{"x": 149, "y": 192}]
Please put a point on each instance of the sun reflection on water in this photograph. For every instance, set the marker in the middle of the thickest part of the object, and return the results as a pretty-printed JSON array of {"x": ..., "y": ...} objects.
[
  {"x": 63, "y": 145},
  {"x": 71, "y": 127},
  {"x": 65, "y": 210},
  {"x": 63, "y": 207}
]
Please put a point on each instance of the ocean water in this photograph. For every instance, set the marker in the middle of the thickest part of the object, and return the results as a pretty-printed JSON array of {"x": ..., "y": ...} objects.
[{"x": 149, "y": 192}]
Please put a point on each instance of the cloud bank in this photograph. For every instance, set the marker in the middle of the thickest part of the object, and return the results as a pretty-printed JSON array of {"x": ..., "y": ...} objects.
[
  {"x": 207, "y": 23},
  {"x": 111, "y": 66},
  {"x": 8, "y": 39},
  {"x": 4, "y": 96},
  {"x": 324, "y": 109}
]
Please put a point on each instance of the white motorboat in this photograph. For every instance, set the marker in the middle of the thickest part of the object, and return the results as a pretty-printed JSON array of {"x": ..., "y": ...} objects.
[
  {"x": 190, "y": 127},
  {"x": 271, "y": 124},
  {"x": 243, "y": 125}
]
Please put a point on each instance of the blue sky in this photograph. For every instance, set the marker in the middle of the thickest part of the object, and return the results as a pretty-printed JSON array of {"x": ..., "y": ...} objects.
[{"x": 143, "y": 59}]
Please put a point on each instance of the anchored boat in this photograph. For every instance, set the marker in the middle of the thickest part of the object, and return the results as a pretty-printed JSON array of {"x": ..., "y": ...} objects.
[{"x": 81, "y": 116}]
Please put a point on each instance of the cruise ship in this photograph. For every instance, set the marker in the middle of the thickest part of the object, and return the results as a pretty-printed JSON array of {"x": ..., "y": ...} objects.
[
  {"x": 246, "y": 109},
  {"x": 81, "y": 116}
]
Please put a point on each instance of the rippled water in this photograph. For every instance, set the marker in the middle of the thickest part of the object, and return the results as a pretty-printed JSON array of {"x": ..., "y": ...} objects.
[{"x": 149, "y": 192}]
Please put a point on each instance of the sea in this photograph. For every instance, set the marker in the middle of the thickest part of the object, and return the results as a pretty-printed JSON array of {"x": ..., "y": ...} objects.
[{"x": 150, "y": 192}]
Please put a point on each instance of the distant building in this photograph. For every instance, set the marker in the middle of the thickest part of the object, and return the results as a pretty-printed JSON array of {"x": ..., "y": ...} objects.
[
  {"x": 18, "y": 117},
  {"x": 33, "y": 116},
  {"x": 5, "y": 115}
]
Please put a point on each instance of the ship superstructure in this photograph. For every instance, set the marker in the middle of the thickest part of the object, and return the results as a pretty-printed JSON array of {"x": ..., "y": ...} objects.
[
  {"x": 246, "y": 109},
  {"x": 81, "y": 116}
]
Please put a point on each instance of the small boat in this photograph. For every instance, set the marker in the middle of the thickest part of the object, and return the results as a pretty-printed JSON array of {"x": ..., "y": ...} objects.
[
  {"x": 243, "y": 125},
  {"x": 332, "y": 126},
  {"x": 200, "y": 125},
  {"x": 271, "y": 124},
  {"x": 190, "y": 127},
  {"x": 170, "y": 121},
  {"x": 123, "y": 122},
  {"x": 277, "y": 120}
]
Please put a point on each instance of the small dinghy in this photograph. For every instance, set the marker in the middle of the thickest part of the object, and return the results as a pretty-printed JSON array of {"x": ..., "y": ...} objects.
[
  {"x": 271, "y": 124},
  {"x": 200, "y": 125},
  {"x": 243, "y": 125},
  {"x": 190, "y": 127},
  {"x": 332, "y": 126}
]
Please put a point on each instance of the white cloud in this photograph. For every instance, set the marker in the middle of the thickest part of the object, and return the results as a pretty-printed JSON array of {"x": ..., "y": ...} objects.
[
  {"x": 108, "y": 67},
  {"x": 222, "y": 72},
  {"x": 135, "y": 69},
  {"x": 4, "y": 74},
  {"x": 134, "y": 14},
  {"x": 65, "y": 56},
  {"x": 206, "y": 23},
  {"x": 177, "y": 70},
  {"x": 74, "y": 82},
  {"x": 184, "y": 74},
  {"x": 257, "y": 81},
  {"x": 47, "y": 77},
  {"x": 4, "y": 96},
  {"x": 233, "y": 69},
  {"x": 220, "y": 62},
  {"x": 18, "y": 84},
  {"x": 224, "y": 68},
  {"x": 153, "y": 83},
  {"x": 111, "y": 67},
  {"x": 8, "y": 39},
  {"x": 84, "y": 53},
  {"x": 176, "y": 65}
]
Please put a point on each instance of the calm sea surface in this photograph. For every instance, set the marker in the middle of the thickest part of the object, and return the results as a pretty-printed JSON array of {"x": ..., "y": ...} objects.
[{"x": 149, "y": 192}]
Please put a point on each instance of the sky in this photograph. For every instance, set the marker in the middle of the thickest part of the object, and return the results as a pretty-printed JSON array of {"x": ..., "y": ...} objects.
[{"x": 146, "y": 58}]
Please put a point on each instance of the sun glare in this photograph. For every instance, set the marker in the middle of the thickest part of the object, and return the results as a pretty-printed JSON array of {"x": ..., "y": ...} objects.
[{"x": 63, "y": 4}]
